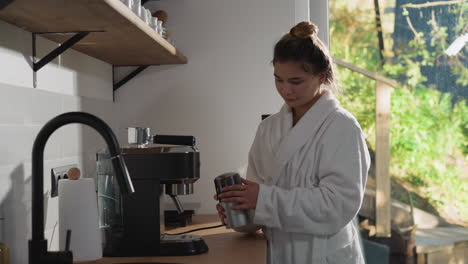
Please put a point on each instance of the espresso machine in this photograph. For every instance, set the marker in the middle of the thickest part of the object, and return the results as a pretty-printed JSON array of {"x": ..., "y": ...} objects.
[{"x": 159, "y": 166}]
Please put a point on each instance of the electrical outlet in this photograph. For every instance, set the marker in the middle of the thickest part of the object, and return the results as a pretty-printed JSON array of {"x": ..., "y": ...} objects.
[{"x": 57, "y": 174}]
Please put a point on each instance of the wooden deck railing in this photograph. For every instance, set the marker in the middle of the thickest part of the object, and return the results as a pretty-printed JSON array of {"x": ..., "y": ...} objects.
[{"x": 382, "y": 151}]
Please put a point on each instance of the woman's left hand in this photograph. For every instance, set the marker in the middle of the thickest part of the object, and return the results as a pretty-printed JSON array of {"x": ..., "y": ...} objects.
[{"x": 245, "y": 195}]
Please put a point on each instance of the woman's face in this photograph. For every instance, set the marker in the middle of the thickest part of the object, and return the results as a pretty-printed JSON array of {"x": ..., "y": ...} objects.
[{"x": 298, "y": 88}]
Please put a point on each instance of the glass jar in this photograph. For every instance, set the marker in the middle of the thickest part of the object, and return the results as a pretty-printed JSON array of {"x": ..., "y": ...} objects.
[
  {"x": 160, "y": 27},
  {"x": 154, "y": 23},
  {"x": 136, "y": 7}
]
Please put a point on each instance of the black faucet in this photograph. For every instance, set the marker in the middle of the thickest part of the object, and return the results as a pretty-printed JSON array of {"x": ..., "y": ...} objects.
[{"x": 38, "y": 253}]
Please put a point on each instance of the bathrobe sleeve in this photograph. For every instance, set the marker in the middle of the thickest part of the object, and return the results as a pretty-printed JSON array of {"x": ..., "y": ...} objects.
[{"x": 325, "y": 207}]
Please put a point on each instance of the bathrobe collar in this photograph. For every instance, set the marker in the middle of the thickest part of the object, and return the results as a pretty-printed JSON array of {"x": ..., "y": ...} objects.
[{"x": 293, "y": 138}]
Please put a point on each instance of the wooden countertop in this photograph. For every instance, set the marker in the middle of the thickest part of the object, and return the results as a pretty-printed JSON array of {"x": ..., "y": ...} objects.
[{"x": 225, "y": 246}]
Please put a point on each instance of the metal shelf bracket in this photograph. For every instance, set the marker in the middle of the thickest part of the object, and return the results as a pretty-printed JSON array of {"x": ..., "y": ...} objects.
[
  {"x": 59, "y": 50},
  {"x": 4, "y": 3},
  {"x": 127, "y": 78}
]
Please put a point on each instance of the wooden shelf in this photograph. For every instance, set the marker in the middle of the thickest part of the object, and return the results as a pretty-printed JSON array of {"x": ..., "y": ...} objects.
[{"x": 126, "y": 40}]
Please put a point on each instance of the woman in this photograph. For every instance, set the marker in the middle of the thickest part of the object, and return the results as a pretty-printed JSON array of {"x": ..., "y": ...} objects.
[{"x": 308, "y": 163}]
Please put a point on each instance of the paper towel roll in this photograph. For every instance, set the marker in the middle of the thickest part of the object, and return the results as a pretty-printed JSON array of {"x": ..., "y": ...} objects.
[{"x": 78, "y": 212}]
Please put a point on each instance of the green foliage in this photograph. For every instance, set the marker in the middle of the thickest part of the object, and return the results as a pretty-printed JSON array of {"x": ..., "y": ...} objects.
[
  {"x": 410, "y": 57},
  {"x": 429, "y": 133},
  {"x": 408, "y": 64},
  {"x": 426, "y": 133},
  {"x": 357, "y": 42},
  {"x": 461, "y": 71}
]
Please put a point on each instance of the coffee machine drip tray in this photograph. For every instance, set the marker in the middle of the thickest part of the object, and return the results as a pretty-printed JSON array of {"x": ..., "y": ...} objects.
[{"x": 181, "y": 245}]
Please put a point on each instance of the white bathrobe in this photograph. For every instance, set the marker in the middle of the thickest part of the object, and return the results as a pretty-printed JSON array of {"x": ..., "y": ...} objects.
[{"x": 312, "y": 179}]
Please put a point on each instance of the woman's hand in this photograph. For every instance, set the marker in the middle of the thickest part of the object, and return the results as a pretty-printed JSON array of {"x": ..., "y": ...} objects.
[
  {"x": 221, "y": 214},
  {"x": 245, "y": 195}
]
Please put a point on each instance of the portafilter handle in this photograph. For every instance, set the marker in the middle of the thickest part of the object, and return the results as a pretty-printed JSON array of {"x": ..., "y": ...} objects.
[{"x": 174, "y": 140}]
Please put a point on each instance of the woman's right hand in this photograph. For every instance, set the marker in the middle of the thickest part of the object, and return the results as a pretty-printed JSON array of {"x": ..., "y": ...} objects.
[{"x": 220, "y": 210}]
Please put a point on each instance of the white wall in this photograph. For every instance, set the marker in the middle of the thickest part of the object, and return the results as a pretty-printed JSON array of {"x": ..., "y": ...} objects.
[
  {"x": 320, "y": 16},
  {"x": 220, "y": 95},
  {"x": 72, "y": 82}
]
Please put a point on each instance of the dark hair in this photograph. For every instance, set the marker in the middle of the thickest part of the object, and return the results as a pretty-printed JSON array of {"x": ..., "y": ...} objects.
[{"x": 302, "y": 45}]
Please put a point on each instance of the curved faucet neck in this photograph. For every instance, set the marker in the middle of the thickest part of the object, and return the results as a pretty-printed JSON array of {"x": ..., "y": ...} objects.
[{"x": 38, "y": 163}]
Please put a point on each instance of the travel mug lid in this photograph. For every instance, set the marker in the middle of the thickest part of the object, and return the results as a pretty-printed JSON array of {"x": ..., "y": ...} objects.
[{"x": 226, "y": 179}]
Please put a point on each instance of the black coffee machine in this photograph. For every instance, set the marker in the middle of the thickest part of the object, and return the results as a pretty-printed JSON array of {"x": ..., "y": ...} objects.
[{"x": 134, "y": 225}]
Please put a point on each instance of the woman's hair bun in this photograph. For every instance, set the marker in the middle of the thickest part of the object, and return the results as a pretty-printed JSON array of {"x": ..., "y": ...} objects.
[{"x": 304, "y": 29}]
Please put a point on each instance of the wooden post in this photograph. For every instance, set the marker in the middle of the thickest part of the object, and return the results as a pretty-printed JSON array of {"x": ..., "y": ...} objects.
[
  {"x": 383, "y": 198},
  {"x": 383, "y": 188}
]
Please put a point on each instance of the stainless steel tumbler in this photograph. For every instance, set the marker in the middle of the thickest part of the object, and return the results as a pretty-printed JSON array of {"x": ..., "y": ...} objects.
[{"x": 235, "y": 218}]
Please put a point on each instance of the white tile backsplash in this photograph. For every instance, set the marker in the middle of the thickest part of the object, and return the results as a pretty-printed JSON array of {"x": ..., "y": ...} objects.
[
  {"x": 17, "y": 210},
  {"x": 52, "y": 236},
  {"x": 16, "y": 143},
  {"x": 71, "y": 141},
  {"x": 51, "y": 211},
  {"x": 21, "y": 181},
  {"x": 44, "y": 106},
  {"x": 94, "y": 79},
  {"x": 92, "y": 140},
  {"x": 103, "y": 109},
  {"x": 15, "y": 56},
  {"x": 18, "y": 229},
  {"x": 5, "y": 181},
  {"x": 89, "y": 164},
  {"x": 14, "y": 105},
  {"x": 71, "y": 103},
  {"x": 54, "y": 146}
]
